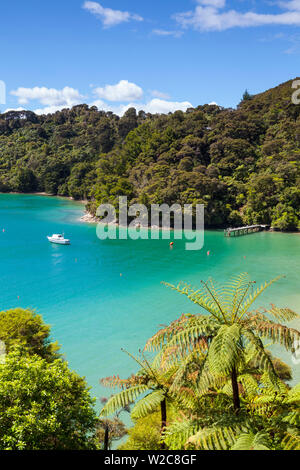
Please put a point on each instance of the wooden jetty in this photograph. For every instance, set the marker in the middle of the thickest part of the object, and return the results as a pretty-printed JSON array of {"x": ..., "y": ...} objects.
[{"x": 239, "y": 231}]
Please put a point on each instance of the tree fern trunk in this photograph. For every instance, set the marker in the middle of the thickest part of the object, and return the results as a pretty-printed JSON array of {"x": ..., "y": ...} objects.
[
  {"x": 163, "y": 409},
  {"x": 235, "y": 391},
  {"x": 106, "y": 438}
]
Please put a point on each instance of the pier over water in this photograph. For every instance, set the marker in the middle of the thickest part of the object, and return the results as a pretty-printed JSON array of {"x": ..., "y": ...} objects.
[{"x": 239, "y": 231}]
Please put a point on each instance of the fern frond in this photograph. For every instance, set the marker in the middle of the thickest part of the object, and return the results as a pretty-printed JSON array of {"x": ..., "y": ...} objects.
[
  {"x": 164, "y": 335},
  {"x": 249, "y": 383},
  {"x": 278, "y": 333},
  {"x": 148, "y": 404},
  {"x": 217, "y": 295},
  {"x": 177, "y": 434},
  {"x": 116, "y": 382},
  {"x": 122, "y": 399},
  {"x": 274, "y": 385},
  {"x": 293, "y": 418},
  {"x": 199, "y": 297},
  {"x": 157, "y": 361},
  {"x": 202, "y": 326},
  {"x": 291, "y": 441},
  {"x": 263, "y": 359},
  {"x": 252, "y": 297},
  {"x": 236, "y": 289},
  {"x": 183, "y": 370},
  {"x": 221, "y": 438},
  {"x": 186, "y": 398},
  {"x": 210, "y": 381},
  {"x": 293, "y": 395},
  {"x": 251, "y": 441},
  {"x": 225, "y": 349},
  {"x": 282, "y": 314}
]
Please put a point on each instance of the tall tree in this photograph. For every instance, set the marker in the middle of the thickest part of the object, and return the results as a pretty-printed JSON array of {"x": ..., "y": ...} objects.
[{"x": 43, "y": 405}]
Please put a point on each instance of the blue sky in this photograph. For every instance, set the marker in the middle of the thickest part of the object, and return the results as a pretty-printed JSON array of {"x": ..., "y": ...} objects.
[{"x": 158, "y": 55}]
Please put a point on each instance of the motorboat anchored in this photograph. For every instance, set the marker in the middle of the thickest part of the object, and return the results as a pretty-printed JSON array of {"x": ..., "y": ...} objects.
[{"x": 59, "y": 239}]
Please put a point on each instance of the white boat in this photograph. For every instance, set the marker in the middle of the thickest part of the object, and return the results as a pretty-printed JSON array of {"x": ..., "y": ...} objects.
[{"x": 59, "y": 239}]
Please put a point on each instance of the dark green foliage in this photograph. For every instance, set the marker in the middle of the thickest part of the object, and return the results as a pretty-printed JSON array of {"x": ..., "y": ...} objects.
[
  {"x": 19, "y": 327},
  {"x": 43, "y": 406},
  {"x": 242, "y": 164},
  {"x": 247, "y": 96},
  {"x": 144, "y": 435},
  {"x": 25, "y": 181}
]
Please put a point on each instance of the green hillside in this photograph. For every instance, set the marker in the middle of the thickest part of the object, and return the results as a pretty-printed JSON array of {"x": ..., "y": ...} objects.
[{"x": 243, "y": 163}]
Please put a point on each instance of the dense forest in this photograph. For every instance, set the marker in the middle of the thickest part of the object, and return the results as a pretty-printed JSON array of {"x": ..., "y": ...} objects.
[{"x": 242, "y": 164}]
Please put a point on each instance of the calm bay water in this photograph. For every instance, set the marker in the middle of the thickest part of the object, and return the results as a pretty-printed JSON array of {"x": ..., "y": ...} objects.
[{"x": 100, "y": 296}]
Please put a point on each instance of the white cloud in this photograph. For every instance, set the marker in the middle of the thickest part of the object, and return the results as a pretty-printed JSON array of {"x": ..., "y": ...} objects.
[
  {"x": 121, "y": 96},
  {"x": 162, "y": 106},
  {"x": 108, "y": 16},
  {"x": 50, "y": 109},
  {"x": 13, "y": 109},
  {"x": 122, "y": 91},
  {"x": 293, "y": 5},
  {"x": 163, "y": 32},
  {"x": 52, "y": 100},
  {"x": 208, "y": 17},
  {"x": 48, "y": 96},
  {"x": 154, "y": 106},
  {"x": 213, "y": 3}
]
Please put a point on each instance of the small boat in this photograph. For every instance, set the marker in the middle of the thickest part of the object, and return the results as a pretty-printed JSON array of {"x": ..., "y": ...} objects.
[{"x": 59, "y": 239}]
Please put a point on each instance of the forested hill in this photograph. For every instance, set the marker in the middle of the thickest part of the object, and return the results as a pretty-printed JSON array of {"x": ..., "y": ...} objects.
[{"x": 243, "y": 163}]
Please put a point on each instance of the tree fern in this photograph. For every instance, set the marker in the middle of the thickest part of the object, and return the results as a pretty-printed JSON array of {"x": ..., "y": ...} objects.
[{"x": 229, "y": 329}]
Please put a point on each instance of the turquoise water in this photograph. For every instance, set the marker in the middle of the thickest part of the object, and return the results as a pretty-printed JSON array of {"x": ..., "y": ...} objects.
[{"x": 93, "y": 309}]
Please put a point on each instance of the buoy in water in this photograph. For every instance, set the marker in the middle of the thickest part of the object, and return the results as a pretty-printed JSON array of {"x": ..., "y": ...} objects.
[
  {"x": 172, "y": 244},
  {"x": 208, "y": 253}
]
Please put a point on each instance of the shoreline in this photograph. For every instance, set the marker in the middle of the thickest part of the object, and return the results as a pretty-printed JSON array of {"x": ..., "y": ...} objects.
[
  {"x": 70, "y": 198},
  {"x": 89, "y": 218}
]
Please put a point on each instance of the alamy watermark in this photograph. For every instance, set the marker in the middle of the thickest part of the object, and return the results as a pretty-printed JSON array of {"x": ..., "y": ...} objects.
[
  {"x": 296, "y": 94},
  {"x": 296, "y": 352},
  {"x": 2, "y": 92},
  {"x": 135, "y": 222}
]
